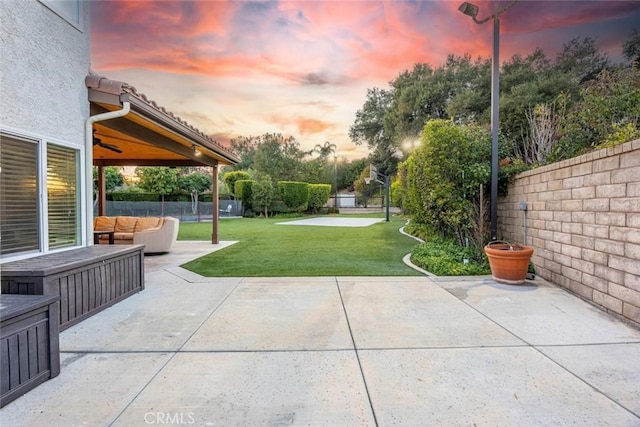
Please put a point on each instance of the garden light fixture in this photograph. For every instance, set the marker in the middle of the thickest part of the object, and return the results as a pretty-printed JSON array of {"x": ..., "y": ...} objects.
[{"x": 472, "y": 11}]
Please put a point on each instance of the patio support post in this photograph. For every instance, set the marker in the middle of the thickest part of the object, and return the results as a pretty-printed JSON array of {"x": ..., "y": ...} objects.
[
  {"x": 214, "y": 201},
  {"x": 102, "y": 192}
]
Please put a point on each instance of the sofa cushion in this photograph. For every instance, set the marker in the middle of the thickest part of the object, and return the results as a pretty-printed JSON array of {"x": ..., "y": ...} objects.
[
  {"x": 125, "y": 224},
  {"x": 146, "y": 223},
  {"x": 123, "y": 236},
  {"x": 104, "y": 223}
]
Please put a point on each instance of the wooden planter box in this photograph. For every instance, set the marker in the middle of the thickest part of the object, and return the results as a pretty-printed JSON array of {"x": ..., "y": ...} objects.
[
  {"x": 87, "y": 280},
  {"x": 29, "y": 343}
]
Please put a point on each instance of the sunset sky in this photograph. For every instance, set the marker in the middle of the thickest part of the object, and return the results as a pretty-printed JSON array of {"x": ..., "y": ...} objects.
[{"x": 302, "y": 68}]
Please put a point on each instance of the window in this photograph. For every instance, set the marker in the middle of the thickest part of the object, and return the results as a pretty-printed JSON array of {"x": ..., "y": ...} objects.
[
  {"x": 39, "y": 196},
  {"x": 69, "y": 10},
  {"x": 19, "y": 219},
  {"x": 62, "y": 196}
]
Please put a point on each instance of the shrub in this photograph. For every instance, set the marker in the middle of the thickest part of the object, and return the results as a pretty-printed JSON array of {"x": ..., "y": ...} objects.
[
  {"x": 608, "y": 113},
  {"x": 318, "y": 196},
  {"x": 294, "y": 194},
  {"x": 243, "y": 192},
  {"x": 279, "y": 208},
  {"x": 130, "y": 196},
  {"x": 262, "y": 193},
  {"x": 445, "y": 258},
  {"x": 230, "y": 179},
  {"x": 444, "y": 174}
]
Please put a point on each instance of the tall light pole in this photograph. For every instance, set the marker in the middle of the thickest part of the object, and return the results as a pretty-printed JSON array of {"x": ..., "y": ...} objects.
[{"x": 472, "y": 11}]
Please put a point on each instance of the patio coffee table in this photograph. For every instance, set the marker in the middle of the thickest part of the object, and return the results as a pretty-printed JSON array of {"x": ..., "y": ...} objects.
[{"x": 97, "y": 234}]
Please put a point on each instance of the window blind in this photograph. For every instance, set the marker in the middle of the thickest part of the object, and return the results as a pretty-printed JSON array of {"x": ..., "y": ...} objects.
[
  {"x": 18, "y": 195},
  {"x": 62, "y": 196}
]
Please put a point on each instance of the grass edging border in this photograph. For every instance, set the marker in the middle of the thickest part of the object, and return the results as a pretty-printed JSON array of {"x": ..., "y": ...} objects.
[{"x": 407, "y": 257}]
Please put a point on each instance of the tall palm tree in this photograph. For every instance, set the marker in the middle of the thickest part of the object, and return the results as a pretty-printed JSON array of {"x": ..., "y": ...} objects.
[{"x": 326, "y": 149}]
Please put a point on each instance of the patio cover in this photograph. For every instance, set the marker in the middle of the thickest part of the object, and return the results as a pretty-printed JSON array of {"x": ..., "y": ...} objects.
[{"x": 148, "y": 135}]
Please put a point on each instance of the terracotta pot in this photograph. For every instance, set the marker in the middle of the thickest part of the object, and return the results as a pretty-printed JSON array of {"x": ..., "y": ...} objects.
[{"x": 509, "y": 263}]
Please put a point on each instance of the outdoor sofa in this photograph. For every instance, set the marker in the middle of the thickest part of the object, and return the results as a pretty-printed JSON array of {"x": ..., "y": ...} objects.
[{"x": 157, "y": 233}]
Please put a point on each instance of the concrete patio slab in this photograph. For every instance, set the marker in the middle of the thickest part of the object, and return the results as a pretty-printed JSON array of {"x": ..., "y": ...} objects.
[
  {"x": 256, "y": 389},
  {"x": 183, "y": 251},
  {"x": 328, "y": 221},
  {"x": 541, "y": 313},
  {"x": 266, "y": 315},
  {"x": 514, "y": 386},
  {"x": 613, "y": 369},
  {"x": 415, "y": 314},
  {"x": 160, "y": 318},
  {"x": 364, "y": 351},
  {"x": 92, "y": 390}
]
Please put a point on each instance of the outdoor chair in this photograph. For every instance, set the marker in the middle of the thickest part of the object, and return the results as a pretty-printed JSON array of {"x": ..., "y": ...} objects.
[{"x": 226, "y": 211}]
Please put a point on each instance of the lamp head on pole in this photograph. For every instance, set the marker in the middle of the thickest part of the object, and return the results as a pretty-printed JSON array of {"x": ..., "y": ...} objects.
[{"x": 469, "y": 9}]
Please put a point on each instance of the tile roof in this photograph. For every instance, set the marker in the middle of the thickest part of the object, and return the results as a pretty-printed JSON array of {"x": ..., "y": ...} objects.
[{"x": 106, "y": 85}]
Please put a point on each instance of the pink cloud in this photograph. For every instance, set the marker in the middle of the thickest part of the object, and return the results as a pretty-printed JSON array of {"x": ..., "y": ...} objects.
[
  {"x": 303, "y": 125},
  {"x": 303, "y": 67}
]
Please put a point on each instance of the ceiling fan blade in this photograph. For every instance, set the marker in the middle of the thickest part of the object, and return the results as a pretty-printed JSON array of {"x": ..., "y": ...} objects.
[
  {"x": 110, "y": 147},
  {"x": 99, "y": 143}
]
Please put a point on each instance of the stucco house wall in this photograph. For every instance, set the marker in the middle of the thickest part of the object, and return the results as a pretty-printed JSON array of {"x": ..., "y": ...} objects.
[
  {"x": 45, "y": 57},
  {"x": 583, "y": 221},
  {"x": 45, "y": 60}
]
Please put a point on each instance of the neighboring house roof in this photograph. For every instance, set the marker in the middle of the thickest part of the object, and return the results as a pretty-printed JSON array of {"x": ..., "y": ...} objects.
[{"x": 149, "y": 135}]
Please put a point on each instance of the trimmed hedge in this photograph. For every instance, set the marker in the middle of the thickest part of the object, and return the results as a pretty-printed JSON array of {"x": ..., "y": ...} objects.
[
  {"x": 243, "y": 192},
  {"x": 130, "y": 196},
  {"x": 230, "y": 179},
  {"x": 294, "y": 194},
  {"x": 318, "y": 196}
]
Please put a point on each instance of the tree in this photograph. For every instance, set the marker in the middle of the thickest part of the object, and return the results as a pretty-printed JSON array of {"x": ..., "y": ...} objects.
[
  {"x": 631, "y": 48},
  {"x": 197, "y": 182},
  {"x": 326, "y": 149},
  {"x": 112, "y": 176},
  {"x": 609, "y": 112},
  {"x": 161, "y": 180},
  {"x": 545, "y": 121},
  {"x": 280, "y": 157},
  {"x": 460, "y": 88},
  {"x": 262, "y": 193},
  {"x": 581, "y": 59},
  {"x": 351, "y": 172},
  {"x": 369, "y": 128},
  {"x": 245, "y": 147}
]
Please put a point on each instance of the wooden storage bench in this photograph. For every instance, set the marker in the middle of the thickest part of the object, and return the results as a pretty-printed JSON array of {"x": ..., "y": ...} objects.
[
  {"x": 87, "y": 280},
  {"x": 29, "y": 349}
]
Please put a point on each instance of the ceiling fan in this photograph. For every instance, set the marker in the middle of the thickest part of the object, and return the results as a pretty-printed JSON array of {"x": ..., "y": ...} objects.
[{"x": 99, "y": 143}]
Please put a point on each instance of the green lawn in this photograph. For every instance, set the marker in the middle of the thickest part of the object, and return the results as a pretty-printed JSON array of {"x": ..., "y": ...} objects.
[{"x": 270, "y": 250}]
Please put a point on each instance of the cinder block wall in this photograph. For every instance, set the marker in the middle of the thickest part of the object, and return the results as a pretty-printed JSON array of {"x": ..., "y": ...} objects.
[{"x": 583, "y": 220}]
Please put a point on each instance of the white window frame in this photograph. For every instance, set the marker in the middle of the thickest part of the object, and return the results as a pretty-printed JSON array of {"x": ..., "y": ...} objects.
[
  {"x": 61, "y": 8},
  {"x": 42, "y": 142}
]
